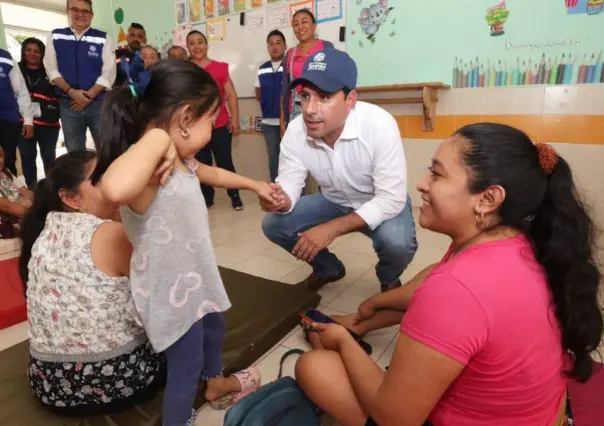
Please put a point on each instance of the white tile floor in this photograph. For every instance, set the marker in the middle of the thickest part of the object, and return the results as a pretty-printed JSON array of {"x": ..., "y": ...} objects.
[{"x": 239, "y": 244}]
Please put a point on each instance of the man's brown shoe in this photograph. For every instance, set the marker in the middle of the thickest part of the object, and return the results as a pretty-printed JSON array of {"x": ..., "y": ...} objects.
[{"x": 315, "y": 283}]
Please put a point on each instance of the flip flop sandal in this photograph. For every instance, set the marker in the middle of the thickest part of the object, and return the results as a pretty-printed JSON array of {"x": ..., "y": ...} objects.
[{"x": 249, "y": 379}]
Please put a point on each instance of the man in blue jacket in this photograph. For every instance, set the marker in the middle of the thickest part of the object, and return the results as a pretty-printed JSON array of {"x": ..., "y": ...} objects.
[
  {"x": 15, "y": 104},
  {"x": 268, "y": 91},
  {"x": 80, "y": 62}
]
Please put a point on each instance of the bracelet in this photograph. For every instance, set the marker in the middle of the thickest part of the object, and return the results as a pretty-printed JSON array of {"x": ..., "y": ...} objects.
[{"x": 67, "y": 91}]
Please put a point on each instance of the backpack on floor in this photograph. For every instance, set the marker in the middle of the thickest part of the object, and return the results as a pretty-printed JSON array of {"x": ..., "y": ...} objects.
[{"x": 280, "y": 403}]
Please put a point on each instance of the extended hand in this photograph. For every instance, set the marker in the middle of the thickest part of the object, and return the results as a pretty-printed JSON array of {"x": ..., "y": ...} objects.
[
  {"x": 279, "y": 200},
  {"x": 27, "y": 131},
  {"x": 314, "y": 240},
  {"x": 266, "y": 196}
]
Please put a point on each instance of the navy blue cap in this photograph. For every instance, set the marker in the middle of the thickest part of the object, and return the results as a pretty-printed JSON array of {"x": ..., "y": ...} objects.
[{"x": 329, "y": 70}]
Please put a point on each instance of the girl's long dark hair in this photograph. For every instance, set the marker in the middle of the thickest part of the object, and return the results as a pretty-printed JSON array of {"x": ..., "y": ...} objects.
[
  {"x": 549, "y": 210},
  {"x": 174, "y": 83},
  {"x": 67, "y": 172}
]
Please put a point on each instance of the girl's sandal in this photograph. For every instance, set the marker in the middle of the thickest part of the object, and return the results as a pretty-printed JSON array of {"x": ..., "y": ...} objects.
[{"x": 249, "y": 380}]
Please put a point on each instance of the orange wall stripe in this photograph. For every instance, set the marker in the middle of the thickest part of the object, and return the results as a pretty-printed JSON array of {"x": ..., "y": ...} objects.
[{"x": 576, "y": 129}]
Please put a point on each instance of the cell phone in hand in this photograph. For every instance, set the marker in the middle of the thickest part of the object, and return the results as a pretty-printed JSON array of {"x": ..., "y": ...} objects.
[{"x": 306, "y": 323}]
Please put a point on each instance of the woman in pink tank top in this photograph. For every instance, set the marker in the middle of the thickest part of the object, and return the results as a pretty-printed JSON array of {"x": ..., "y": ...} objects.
[
  {"x": 492, "y": 333},
  {"x": 305, "y": 26}
]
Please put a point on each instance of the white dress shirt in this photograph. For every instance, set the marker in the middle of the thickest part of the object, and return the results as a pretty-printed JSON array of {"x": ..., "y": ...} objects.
[
  {"x": 365, "y": 170},
  {"x": 109, "y": 70},
  {"x": 21, "y": 93}
]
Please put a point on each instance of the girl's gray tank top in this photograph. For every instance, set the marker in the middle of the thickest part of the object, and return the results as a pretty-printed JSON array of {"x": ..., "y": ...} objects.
[{"x": 173, "y": 272}]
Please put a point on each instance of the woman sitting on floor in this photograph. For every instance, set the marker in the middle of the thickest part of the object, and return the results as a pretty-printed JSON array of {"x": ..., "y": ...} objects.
[
  {"x": 15, "y": 199},
  {"x": 496, "y": 328},
  {"x": 88, "y": 355}
]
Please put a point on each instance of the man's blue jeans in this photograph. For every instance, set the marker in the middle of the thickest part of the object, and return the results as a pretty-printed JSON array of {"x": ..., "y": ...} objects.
[
  {"x": 272, "y": 135},
  {"x": 393, "y": 241},
  {"x": 74, "y": 124}
]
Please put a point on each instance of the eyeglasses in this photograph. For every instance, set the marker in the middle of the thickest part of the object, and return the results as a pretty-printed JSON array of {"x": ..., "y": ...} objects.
[{"x": 84, "y": 12}]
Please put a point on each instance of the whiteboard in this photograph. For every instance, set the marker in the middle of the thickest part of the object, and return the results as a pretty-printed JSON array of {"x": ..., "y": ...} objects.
[{"x": 246, "y": 52}]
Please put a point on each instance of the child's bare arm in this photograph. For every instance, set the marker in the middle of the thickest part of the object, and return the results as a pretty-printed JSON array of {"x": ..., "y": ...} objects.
[
  {"x": 127, "y": 177},
  {"x": 220, "y": 178}
]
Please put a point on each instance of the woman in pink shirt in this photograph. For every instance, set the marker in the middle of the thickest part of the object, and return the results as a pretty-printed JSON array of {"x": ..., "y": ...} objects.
[
  {"x": 304, "y": 25},
  {"x": 493, "y": 331},
  {"x": 225, "y": 127}
]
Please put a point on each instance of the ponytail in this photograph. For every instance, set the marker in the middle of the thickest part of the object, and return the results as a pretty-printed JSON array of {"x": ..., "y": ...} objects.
[
  {"x": 46, "y": 199},
  {"x": 67, "y": 173},
  {"x": 541, "y": 200},
  {"x": 564, "y": 239},
  {"x": 122, "y": 126},
  {"x": 124, "y": 117}
]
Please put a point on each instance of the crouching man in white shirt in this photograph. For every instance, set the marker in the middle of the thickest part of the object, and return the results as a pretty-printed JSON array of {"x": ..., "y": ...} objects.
[{"x": 355, "y": 153}]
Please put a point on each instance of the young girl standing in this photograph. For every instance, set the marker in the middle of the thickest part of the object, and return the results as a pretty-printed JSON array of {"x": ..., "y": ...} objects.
[{"x": 175, "y": 281}]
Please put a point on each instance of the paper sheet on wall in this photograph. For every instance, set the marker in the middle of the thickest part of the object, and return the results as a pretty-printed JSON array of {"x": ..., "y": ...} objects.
[
  {"x": 328, "y": 10},
  {"x": 216, "y": 28},
  {"x": 255, "y": 21},
  {"x": 179, "y": 35},
  {"x": 180, "y": 10},
  {"x": 256, "y": 4},
  {"x": 294, "y": 7},
  {"x": 201, "y": 27},
  {"x": 277, "y": 17}
]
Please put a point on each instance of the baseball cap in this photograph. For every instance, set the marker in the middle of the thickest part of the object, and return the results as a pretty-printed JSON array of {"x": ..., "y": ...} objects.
[{"x": 329, "y": 70}]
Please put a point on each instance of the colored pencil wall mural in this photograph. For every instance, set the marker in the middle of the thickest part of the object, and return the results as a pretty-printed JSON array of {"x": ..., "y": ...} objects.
[
  {"x": 566, "y": 69},
  {"x": 490, "y": 43}
]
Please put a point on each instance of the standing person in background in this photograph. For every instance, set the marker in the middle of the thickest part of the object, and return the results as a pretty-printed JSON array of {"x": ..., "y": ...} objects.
[
  {"x": 304, "y": 25},
  {"x": 45, "y": 109},
  {"x": 224, "y": 128},
  {"x": 268, "y": 92},
  {"x": 177, "y": 52},
  {"x": 80, "y": 62},
  {"x": 136, "y": 38},
  {"x": 14, "y": 104}
]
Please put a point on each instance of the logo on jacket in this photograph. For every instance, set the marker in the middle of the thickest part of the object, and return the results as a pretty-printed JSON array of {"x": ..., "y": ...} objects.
[
  {"x": 319, "y": 57},
  {"x": 93, "y": 52}
]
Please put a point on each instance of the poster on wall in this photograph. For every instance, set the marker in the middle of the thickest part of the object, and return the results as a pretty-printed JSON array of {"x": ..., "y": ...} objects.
[
  {"x": 179, "y": 35},
  {"x": 372, "y": 18},
  {"x": 496, "y": 16},
  {"x": 194, "y": 7},
  {"x": 277, "y": 17},
  {"x": 224, "y": 7},
  {"x": 208, "y": 8},
  {"x": 254, "y": 4},
  {"x": 270, "y": 2},
  {"x": 180, "y": 9},
  {"x": 255, "y": 21},
  {"x": 216, "y": 29},
  {"x": 239, "y": 6},
  {"x": 294, "y": 7},
  {"x": 589, "y": 7},
  {"x": 328, "y": 10},
  {"x": 201, "y": 27},
  {"x": 118, "y": 17}
]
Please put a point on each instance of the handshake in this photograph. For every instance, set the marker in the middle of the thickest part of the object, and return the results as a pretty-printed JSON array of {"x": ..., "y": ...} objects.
[{"x": 272, "y": 198}]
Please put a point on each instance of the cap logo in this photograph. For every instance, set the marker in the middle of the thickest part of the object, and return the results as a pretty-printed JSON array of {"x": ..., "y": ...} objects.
[{"x": 319, "y": 57}]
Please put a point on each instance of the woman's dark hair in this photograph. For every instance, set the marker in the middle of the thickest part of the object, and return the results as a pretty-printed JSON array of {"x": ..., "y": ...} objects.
[
  {"x": 67, "y": 172},
  {"x": 193, "y": 32},
  {"x": 275, "y": 33},
  {"x": 308, "y": 12},
  {"x": 550, "y": 212},
  {"x": 173, "y": 84},
  {"x": 31, "y": 40}
]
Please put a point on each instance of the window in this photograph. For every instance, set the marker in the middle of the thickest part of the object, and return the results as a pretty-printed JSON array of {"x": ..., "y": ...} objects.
[{"x": 21, "y": 22}]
